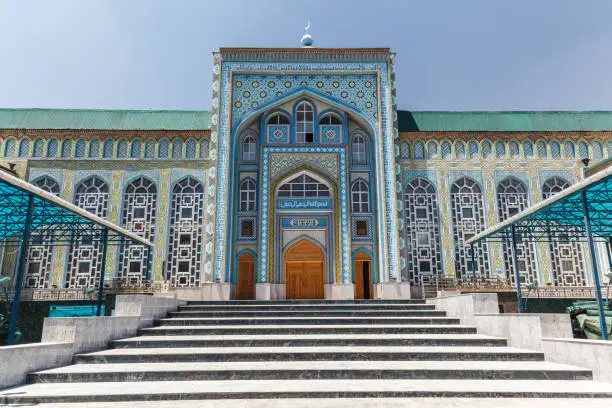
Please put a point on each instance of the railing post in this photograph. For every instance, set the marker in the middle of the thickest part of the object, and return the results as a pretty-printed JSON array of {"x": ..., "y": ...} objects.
[
  {"x": 21, "y": 262},
  {"x": 589, "y": 233},
  {"x": 103, "y": 271},
  {"x": 517, "y": 275}
]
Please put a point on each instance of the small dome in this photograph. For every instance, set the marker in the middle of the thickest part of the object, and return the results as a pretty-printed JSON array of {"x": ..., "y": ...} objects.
[{"x": 307, "y": 40}]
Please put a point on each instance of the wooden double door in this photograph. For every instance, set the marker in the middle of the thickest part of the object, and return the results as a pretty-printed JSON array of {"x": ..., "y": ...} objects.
[
  {"x": 304, "y": 271},
  {"x": 363, "y": 276},
  {"x": 245, "y": 284}
]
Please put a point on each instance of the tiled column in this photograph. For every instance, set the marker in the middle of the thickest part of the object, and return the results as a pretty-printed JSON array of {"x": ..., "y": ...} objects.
[
  {"x": 542, "y": 248},
  {"x": 59, "y": 252},
  {"x": 446, "y": 223},
  {"x": 491, "y": 217},
  {"x": 161, "y": 224},
  {"x": 114, "y": 216}
]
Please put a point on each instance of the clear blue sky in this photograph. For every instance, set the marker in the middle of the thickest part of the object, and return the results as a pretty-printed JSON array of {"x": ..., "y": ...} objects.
[{"x": 452, "y": 54}]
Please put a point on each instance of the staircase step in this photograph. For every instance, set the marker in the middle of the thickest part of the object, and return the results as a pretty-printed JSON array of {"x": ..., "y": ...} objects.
[
  {"x": 304, "y": 328},
  {"x": 330, "y": 353},
  {"x": 348, "y": 403},
  {"x": 292, "y": 306},
  {"x": 308, "y": 302},
  {"x": 309, "y": 313},
  {"x": 296, "y": 340},
  {"x": 308, "y": 370},
  {"x": 310, "y": 320},
  {"x": 256, "y": 389}
]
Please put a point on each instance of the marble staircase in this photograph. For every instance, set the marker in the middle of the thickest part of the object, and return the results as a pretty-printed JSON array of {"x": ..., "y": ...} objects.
[{"x": 264, "y": 352}]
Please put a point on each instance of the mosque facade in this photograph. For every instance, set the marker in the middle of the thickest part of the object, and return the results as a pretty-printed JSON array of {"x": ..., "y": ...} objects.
[{"x": 303, "y": 181}]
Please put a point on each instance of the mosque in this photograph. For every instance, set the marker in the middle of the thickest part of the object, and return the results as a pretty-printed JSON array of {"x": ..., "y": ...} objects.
[{"x": 303, "y": 181}]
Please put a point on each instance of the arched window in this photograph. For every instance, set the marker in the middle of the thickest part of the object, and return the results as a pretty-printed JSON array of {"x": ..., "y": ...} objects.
[
  {"x": 359, "y": 150},
  {"x": 162, "y": 149},
  {"x": 460, "y": 150},
  {"x": 528, "y": 149},
  {"x": 107, "y": 149},
  {"x": 24, "y": 148},
  {"x": 85, "y": 259},
  {"x": 542, "y": 151},
  {"x": 122, "y": 148},
  {"x": 304, "y": 130},
  {"x": 360, "y": 197},
  {"x": 422, "y": 232},
  {"x": 52, "y": 148},
  {"x": 597, "y": 150},
  {"x": 67, "y": 148},
  {"x": 330, "y": 119},
  {"x": 48, "y": 184},
  {"x": 37, "y": 151},
  {"x": 278, "y": 119},
  {"x": 404, "y": 150},
  {"x": 500, "y": 149},
  {"x": 514, "y": 150},
  {"x": 149, "y": 152},
  {"x": 570, "y": 150},
  {"x": 446, "y": 149},
  {"x": 40, "y": 250},
  {"x": 186, "y": 232},
  {"x": 486, "y": 149},
  {"x": 511, "y": 200},
  {"x": 432, "y": 150},
  {"x": 467, "y": 211},
  {"x": 566, "y": 258},
  {"x": 247, "y": 196},
  {"x": 177, "y": 149},
  {"x": 80, "y": 148},
  {"x": 419, "y": 150},
  {"x": 473, "y": 146},
  {"x": 204, "y": 148},
  {"x": 553, "y": 186},
  {"x": 138, "y": 216},
  {"x": 94, "y": 148},
  {"x": 190, "y": 149},
  {"x": 9, "y": 148},
  {"x": 583, "y": 150},
  {"x": 136, "y": 148},
  {"x": 555, "y": 150},
  {"x": 304, "y": 186},
  {"x": 249, "y": 149}
]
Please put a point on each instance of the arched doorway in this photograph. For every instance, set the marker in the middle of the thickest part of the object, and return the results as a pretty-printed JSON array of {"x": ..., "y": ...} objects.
[
  {"x": 362, "y": 276},
  {"x": 245, "y": 284},
  {"x": 304, "y": 271}
]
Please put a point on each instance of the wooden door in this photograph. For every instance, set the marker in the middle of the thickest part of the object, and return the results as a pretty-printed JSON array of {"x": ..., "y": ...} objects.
[
  {"x": 304, "y": 271},
  {"x": 362, "y": 274},
  {"x": 245, "y": 286}
]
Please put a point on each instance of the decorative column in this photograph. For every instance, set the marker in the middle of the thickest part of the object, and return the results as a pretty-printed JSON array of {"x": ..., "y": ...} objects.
[
  {"x": 446, "y": 223},
  {"x": 59, "y": 252},
  {"x": 542, "y": 248},
  {"x": 491, "y": 218},
  {"x": 161, "y": 225},
  {"x": 114, "y": 216}
]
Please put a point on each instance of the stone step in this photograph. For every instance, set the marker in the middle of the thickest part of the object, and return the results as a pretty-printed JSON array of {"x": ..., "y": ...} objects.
[
  {"x": 309, "y": 302},
  {"x": 314, "y": 353},
  {"x": 311, "y": 370},
  {"x": 309, "y": 313},
  {"x": 297, "y": 340},
  {"x": 348, "y": 403},
  {"x": 304, "y": 328},
  {"x": 291, "y": 306},
  {"x": 307, "y": 320},
  {"x": 256, "y": 389}
]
